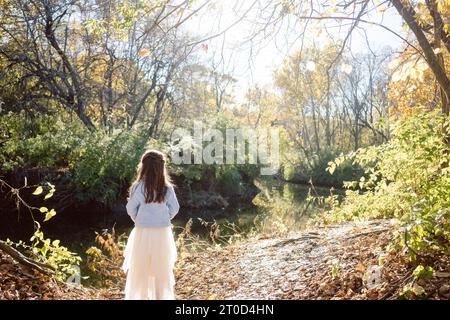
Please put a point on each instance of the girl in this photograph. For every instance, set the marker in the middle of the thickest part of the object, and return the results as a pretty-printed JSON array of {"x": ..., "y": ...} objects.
[{"x": 150, "y": 253}]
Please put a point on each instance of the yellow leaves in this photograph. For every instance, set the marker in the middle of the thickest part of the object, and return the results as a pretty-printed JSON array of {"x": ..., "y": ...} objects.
[
  {"x": 105, "y": 259},
  {"x": 98, "y": 71},
  {"x": 98, "y": 74},
  {"x": 50, "y": 214},
  {"x": 413, "y": 70},
  {"x": 50, "y": 192},
  {"x": 331, "y": 167},
  {"x": 144, "y": 53},
  {"x": 38, "y": 191},
  {"x": 447, "y": 28},
  {"x": 422, "y": 14},
  {"x": 332, "y": 10},
  {"x": 48, "y": 195},
  {"x": 317, "y": 32},
  {"x": 360, "y": 268},
  {"x": 382, "y": 8},
  {"x": 443, "y": 6},
  {"x": 412, "y": 86},
  {"x": 418, "y": 290},
  {"x": 346, "y": 68},
  {"x": 413, "y": 288}
]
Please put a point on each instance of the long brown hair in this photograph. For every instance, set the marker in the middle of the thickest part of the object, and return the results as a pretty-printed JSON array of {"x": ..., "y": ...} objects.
[{"x": 153, "y": 173}]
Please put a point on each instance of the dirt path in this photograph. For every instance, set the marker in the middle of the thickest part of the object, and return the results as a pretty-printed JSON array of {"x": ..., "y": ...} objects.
[
  {"x": 334, "y": 262},
  {"x": 326, "y": 262}
]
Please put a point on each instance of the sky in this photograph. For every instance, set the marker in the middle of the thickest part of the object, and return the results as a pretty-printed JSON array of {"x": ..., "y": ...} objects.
[{"x": 254, "y": 63}]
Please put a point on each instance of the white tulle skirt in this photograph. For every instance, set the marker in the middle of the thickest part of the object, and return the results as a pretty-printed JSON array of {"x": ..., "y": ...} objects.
[{"x": 150, "y": 256}]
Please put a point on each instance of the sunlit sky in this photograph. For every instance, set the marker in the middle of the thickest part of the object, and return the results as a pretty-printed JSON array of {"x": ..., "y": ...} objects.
[{"x": 254, "y": 63}]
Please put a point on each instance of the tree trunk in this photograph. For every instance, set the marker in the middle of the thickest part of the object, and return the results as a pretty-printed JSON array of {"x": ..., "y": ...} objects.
[
  {"x": 431, "y": 58},
  {"x": 75, "y": 94},
  {"x": 19, "y": 257}
]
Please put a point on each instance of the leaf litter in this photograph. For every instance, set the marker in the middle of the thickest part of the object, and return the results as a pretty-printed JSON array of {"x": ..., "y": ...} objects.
[{"x": 346, "y": 261}]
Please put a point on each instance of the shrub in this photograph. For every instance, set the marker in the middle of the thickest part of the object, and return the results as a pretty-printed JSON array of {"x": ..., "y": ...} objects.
[
  {"x": 312, "y": 166},
  {"x": 407, "y": 178},
  {"x": 45, "y": 250},
  {"x": 40, "y": 142},
  {"x": 104, "y": 165}
]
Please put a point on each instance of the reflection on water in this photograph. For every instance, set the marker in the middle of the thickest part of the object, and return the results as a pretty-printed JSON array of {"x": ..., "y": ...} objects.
[{"x": 279, "y": 207}]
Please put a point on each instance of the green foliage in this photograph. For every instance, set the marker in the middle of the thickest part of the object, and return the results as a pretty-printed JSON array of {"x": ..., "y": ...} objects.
[
  {"x": 104, "y": 164},
  {"x": 101, "y": 165},
  {"x": 51, "y": 253},
  {"x": 232, "y": 178},
  {"x": 229, "y": 179},
  {"x": 320, "y": 168},
  {"x": 407, "y": 178},
  {"x": 423, "y": 272},
  {"x": 36, "y": 142},
  {"x": 285, "y": 207},
  {"x": 45, "y": 250}
]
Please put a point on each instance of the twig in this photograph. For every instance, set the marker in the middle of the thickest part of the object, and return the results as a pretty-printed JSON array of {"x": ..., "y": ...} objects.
[
  {"x": 284, "y": 242},
  {"x": 394, "y": 286},
  {"x": 367, "y": 233},
  {"x": 19, "y": 257}
]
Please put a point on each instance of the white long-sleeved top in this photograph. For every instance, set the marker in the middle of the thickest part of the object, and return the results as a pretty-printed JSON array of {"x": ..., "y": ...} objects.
[{"x": 152, "y": 214}]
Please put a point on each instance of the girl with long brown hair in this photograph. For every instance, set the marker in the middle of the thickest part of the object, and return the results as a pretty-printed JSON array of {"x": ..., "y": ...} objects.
[{"x": 150, "y": 253}]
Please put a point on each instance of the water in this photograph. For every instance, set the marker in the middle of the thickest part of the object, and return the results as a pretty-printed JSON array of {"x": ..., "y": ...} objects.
[{"x": 279, "y": 207}]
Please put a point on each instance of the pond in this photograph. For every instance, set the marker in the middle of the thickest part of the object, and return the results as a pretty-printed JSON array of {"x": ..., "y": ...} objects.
[{"x": 279, "y": 207}]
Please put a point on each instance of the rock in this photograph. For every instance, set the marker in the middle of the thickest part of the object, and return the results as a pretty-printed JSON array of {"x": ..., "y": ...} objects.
[
  {"x": 203, "y": 199},
  {"x": 444, "y": 291}
]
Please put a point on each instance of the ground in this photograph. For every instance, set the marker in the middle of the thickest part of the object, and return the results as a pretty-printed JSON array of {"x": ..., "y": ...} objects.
[
  {"x": 298, "y": 266},
  {"x": 333, "y": 262}
]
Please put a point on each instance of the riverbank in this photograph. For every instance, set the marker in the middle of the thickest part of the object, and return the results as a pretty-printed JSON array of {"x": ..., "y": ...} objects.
[{"x": 346, "y": 261}]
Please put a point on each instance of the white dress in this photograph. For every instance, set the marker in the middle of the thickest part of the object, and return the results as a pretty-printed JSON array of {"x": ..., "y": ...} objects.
[{"x": 150, "y": 257}]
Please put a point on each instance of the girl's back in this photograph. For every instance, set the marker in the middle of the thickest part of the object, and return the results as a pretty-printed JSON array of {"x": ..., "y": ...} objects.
[{"x": 153, "y": 214}]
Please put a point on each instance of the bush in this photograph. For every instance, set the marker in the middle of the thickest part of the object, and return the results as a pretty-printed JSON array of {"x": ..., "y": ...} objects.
[
  {"x": 229, "y": 179},
  {"x": 407, "y": 178},
  {"x": 104, "y": 165},
  {"x": 101, "y": 165},
  {"x": 313, "y": 165},
  {"x": 40, "y": 142}
]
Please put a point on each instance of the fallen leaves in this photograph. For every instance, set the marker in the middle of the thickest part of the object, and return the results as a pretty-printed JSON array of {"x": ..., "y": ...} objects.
[
  {"x": 20, "y": 283},
  {"x": 335, "y": 264}
]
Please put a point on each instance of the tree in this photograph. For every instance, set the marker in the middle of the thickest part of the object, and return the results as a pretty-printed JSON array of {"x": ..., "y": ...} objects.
[
  {"x": 363, "y": 95},
  {"x": 112, "y": 63},
  {"x": 426, "y": 19},
  {"x": 30, "y": 33},
  {"x": 307, "y": 84}
]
